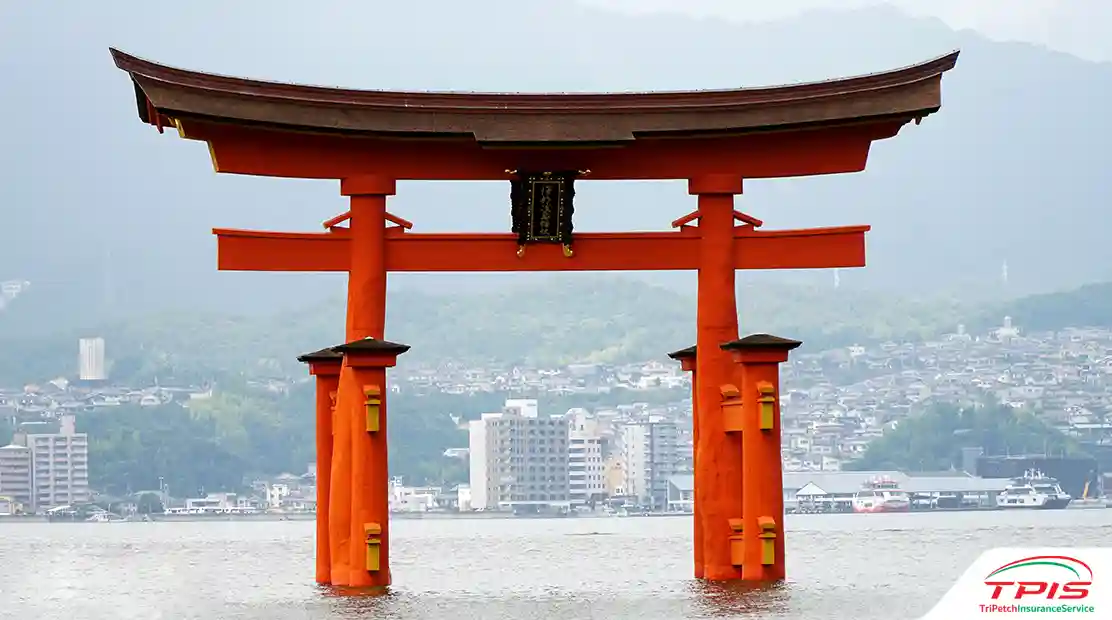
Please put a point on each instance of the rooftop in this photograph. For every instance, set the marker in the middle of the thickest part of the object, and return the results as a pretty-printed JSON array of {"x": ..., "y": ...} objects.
[{"x": 166, "y": 95}]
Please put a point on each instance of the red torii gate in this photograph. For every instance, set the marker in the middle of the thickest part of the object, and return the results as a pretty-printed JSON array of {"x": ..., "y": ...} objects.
[{"x": 369, "y": 140}]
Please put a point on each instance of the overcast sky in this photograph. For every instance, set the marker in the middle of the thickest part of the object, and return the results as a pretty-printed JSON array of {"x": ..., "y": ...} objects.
[
  {"x": 53, "y": 61},
  {"x": 1079, "y": 27}
]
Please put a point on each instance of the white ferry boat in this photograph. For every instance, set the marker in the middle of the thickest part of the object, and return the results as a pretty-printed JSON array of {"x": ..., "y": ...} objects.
[
  {"x": 881, "y": 495},
  {"x": 106, "y": 517},
  {"x": 1034, "y": 490}
]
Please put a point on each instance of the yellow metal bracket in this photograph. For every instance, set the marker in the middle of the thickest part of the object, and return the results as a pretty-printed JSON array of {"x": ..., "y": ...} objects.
[
  {"x": 372, "y": 395},
  {"x": 737, "y": 543},
  {"x": 766, "y": 404},
  {"x": 373, "y": 532},
  {"x": 768, "y": 540},
  {"x": 731, "y": 408}
]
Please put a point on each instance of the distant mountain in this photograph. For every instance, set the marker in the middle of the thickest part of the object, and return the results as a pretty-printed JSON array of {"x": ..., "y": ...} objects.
[
  {"x": 555, "y": 320},
  {"x": 1087, "y": 306},
  {"x": 108, "y": 219},
  {"x": 548, "y": 322}
]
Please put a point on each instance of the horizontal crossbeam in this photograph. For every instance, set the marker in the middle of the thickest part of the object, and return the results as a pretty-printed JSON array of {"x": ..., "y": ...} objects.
[{"x": 808, "y": 248}]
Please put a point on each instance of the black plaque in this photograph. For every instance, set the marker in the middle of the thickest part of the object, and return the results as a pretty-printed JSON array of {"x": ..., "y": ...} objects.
[{"x": 541, "y": 207}]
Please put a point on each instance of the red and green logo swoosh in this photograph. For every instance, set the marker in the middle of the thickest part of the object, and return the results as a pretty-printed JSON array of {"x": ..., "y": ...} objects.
[{"x": 1080, "y": 570}]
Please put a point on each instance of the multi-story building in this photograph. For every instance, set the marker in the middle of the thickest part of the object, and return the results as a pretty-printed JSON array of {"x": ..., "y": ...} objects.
[
  {"x": 614, "y": 474},
  {"x": 650, "y": 456},
  {"x": 519, "y": 459},
  {"x": 586, "y": 479},
  {"x": 685, "y": 446},
  {"x": 481, "y": 462},
  {"x": 15, "y": 475},
  {"x": 91, "y": 366},
  {"x": 60, "y": 467}
]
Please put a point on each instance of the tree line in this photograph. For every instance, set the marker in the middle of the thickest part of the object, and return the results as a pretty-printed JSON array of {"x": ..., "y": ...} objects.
[{"x": 935, "y": 439}]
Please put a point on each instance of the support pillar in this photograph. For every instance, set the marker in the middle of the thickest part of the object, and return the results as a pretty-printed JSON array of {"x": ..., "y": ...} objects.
[
  {"x": 718, "y": 467},
  {"x": 325, "y": 366},
  {"x": 686, "y": 358},
  {"x": 366, "y": 317},
  {"x": 363, "y": 398},
  {"x": 367, "y": 274},
  {"x": 759, "y": 357}
]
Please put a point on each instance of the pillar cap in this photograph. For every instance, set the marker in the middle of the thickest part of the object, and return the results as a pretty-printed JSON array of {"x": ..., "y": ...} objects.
[
  {"x": 683, "y": 354},
  {"x": 761, "y": 342},
  {"x": 372, "y": 346},
  {"x": 721, "y": 184},
  {"x": 368, "y": 185},
  {"x": 328, "y": 354}
]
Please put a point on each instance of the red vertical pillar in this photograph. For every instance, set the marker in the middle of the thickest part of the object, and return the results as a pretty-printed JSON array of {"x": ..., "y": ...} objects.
[
  {"x": 718, "y": 473},
  {"x": 339, "y": 494},
  {"x": 760, "y": 356},
  {"x": 367, "y": 273},
  {"x": 366, "y": 319},
  {"x": 325, "y": 366},
  {"x": 365, "y": 364},
  {"x": 686, "y": 358}
]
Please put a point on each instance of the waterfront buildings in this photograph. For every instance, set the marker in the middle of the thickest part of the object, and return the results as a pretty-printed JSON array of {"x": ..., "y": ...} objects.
[
  {"x": 586, "y": 459},
  {"x": 650, "y": 456},
  {"x": 519, "y": 459},
  {"x": 834, "y": 403},
  {"x": 60, "y": 466},
  {"x": 15, "y": 476},
  {"x": 522, "y": 460}
]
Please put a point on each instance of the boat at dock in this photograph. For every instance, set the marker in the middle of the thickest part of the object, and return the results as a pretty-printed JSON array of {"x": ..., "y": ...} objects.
[
  {"x": 881, "y": 495},
  {"x": 1034, "y": 490},
  {"x": 106, "y": 517}
]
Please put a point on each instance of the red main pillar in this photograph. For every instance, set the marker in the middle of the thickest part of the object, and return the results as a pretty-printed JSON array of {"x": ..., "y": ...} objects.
[
  {"x": 325, "y": 366},
  {"x": 686, "y": 358},
  {"x": 760, "y": 356},
  {"x": 367, "y": 475},
  {"x": 367, "y": 275},
  {"x": 718, "y": 472},
  {"x": 364, "y": 374}
]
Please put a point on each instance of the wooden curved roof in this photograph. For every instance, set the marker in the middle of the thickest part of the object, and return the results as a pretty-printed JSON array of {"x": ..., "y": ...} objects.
[{"x": 165, "y": 93}]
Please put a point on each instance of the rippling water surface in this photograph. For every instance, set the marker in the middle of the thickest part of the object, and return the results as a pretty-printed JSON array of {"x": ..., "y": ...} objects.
[{"x": 857, "y": 567}]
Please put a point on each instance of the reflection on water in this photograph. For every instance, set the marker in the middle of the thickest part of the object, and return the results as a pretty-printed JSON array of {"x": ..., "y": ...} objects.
[
  {"x": 862, "y": 567},
  {"x": 733, "y": 600}
]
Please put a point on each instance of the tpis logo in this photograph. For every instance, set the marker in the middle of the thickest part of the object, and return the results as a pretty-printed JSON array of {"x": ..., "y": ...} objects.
[{"x": 1041, "y": 578}]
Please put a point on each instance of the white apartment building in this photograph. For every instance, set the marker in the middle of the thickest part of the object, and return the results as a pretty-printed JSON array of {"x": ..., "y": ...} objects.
[
  {"x": 60, "y": 466},
  {"x": 649, "y": 457},
  {"x": 275, "y": 493},
  {"x": 91, "y": 365},
  {"x": 15, "y": 475},
  {"x": 586, "y": 469},
  {"x": 519, "y": 459}
]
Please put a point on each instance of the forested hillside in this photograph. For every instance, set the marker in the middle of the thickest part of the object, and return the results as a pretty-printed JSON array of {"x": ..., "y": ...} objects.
[{"x": 556, "y": 320}]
